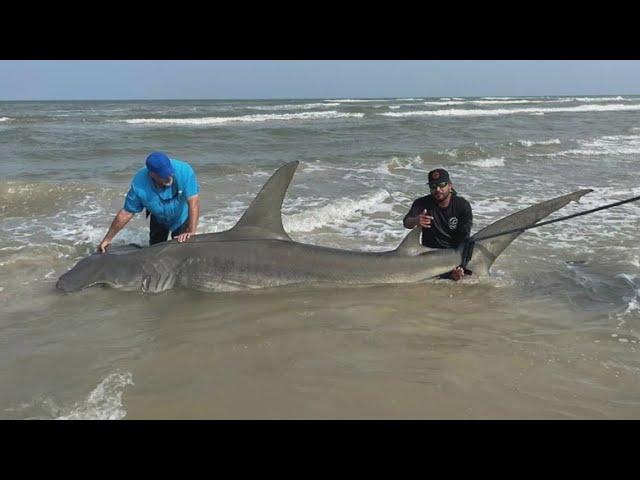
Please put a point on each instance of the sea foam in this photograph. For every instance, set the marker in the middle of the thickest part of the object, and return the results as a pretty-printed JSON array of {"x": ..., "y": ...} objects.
[
  {"x": 486, "y": 162},
  {"x": 335, "y": 213},
  {"x": 302, "y": 106},
  {"x": 103, "y": 403},
  {"x": 531, "y": 143},
  {"x": 245, "y": 118},
  {"x": 606, "y": 145},
  {"x": 455, "y": 112}
]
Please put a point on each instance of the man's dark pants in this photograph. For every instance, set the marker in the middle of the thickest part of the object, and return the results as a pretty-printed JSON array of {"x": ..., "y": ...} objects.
[{"x": 159, "y": 233}]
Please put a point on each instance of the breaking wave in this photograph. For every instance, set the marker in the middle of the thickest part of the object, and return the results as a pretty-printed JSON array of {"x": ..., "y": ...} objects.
[
  {"x": 335, "y": 213},
  {"x": 607, "y": 145},
  {"x": 455, "y": 112},
  {"x": 531, "y": 143},
  {"x": 447, "y": 102},
  {"x": 486, "y": 162},
  {"x": 359, "y": 100},
  {"x": 244, "y": 118},
  {"x": 597, "y": 99},
  {"x": 303, "y": 106},
  {"x": 396, "y": 163}
]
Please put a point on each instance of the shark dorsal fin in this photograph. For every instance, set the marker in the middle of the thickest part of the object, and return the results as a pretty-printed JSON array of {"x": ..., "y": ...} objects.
[
  {"x": 263, "y": 218},
  {"x": 411, "y": 246}
]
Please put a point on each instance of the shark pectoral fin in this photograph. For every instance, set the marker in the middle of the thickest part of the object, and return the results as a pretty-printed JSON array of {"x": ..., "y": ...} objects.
[
  {"x": 411, "y": 246},
  {"x": 263, "y": 218}
]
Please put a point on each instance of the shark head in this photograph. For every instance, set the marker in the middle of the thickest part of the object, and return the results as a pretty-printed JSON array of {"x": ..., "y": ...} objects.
[
  {"x": 87, "y": 272},
  {"x": 114, "y": 268}
]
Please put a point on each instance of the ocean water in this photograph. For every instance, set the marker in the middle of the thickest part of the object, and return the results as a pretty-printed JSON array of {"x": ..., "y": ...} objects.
[{"x": 553, "y": 333}]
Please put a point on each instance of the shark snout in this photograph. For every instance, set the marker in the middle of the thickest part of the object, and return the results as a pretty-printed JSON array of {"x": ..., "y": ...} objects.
[{"x": 67, "y": 283}]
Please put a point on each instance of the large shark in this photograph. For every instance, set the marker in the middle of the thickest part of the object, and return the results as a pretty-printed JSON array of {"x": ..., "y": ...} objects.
[{"x": 258, "y": 253}]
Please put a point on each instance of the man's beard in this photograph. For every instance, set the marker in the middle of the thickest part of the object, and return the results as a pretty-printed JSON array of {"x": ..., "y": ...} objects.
[
  {"x": 164, "y": 185},
  {"x": 442, "y": 197}
]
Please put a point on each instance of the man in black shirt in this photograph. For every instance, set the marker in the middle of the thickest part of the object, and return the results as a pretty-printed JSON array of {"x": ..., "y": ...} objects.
[{"x": 445, "y": 217}]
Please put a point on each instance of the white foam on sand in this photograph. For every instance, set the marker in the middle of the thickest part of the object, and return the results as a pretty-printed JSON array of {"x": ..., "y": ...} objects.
[
  {"x": 243, "y": 119},
  {"x": 103, "y": 403},
  {"x": 458, "y": 112}
]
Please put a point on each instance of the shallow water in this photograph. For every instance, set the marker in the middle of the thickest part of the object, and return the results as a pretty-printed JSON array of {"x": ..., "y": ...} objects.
[{"x": 553, "y": 333}]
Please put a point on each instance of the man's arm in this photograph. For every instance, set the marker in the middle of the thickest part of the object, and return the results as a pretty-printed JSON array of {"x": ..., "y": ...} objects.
[
  {"x": 410, "y": 222},
  {"x": 194, "y": 215},
  {"x": 416, "y": 216},
  {"x": 121, "y": 219},
  {"x": 464, "y": 225},
  {"x": 464, "y": 230}
]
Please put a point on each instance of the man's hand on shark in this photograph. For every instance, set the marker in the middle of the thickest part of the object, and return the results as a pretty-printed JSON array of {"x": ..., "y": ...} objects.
[
  {"x": 183, "y": 237},
  {"x": 102, "y": 248},
  {"x": 457, "y": 273}
]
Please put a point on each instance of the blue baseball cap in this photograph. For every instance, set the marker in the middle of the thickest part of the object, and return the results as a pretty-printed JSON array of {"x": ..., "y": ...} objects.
[{"x": 160, "y": 164}]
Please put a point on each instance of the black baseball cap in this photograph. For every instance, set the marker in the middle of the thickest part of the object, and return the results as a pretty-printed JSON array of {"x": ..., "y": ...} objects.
[{"x": 438, "y": 175}]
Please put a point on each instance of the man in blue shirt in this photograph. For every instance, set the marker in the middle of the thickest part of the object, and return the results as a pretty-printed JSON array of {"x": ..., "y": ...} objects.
[{"x": 168, "y": 190}]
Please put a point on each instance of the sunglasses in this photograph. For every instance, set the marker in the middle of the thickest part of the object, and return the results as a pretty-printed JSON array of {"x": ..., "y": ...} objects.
[{"x": 433, "y": 186}]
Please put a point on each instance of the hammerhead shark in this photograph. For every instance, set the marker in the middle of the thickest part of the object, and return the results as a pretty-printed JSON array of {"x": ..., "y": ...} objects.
[{"x": 258, "y": 253}]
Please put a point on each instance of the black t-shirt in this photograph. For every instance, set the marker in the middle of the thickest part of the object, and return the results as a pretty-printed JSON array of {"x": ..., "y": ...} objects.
[{"x": 450, "y": 226}]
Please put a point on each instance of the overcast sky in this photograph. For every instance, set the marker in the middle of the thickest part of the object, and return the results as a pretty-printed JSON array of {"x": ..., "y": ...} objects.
[{"x": 210, "y": 79}]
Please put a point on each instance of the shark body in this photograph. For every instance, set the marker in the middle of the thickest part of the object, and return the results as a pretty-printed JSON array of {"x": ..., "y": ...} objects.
[{"x": 258, "y": 253}]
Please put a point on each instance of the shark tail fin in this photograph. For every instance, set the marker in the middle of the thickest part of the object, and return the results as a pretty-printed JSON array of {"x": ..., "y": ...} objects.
[
  {"x": 263, "y": 218},
  {"x": 486, "y": 251}
]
